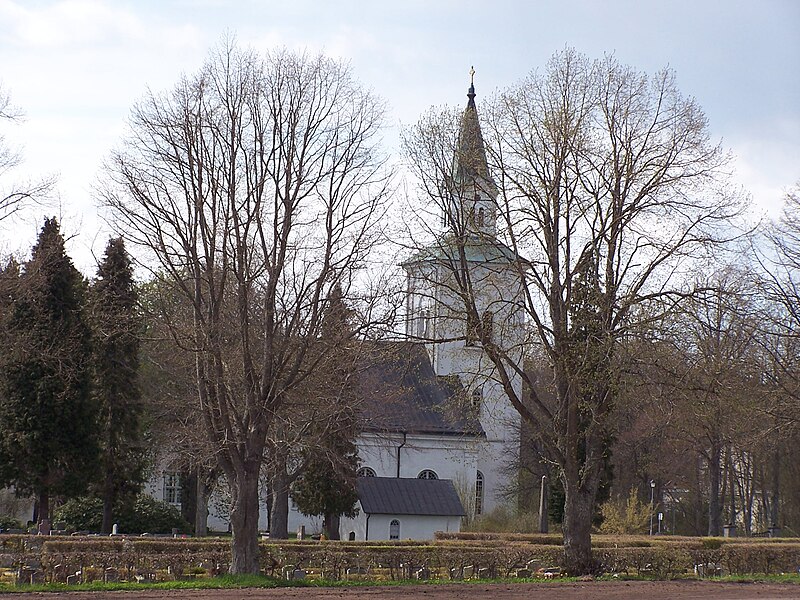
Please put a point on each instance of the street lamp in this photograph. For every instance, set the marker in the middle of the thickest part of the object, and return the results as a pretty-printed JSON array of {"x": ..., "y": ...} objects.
[{"x": 652, "y": 502}]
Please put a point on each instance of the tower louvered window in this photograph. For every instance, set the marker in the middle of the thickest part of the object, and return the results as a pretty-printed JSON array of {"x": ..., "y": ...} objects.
[{"x": 478, "y": 493}]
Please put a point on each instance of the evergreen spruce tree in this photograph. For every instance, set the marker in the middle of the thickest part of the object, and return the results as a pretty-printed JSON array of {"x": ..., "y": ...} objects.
[
  {"x": 328, "y": 484},
  {"x": 48, "y": 443},
  {"x": 116, "y": 364}
]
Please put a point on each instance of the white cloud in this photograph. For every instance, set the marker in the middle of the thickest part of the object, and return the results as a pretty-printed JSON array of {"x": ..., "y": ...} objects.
[
  {"x": 79, "y": 22},
  {"x": 766, "y": 161}
]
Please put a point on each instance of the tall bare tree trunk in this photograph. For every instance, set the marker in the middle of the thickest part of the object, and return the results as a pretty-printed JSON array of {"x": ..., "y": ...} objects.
[
  {"x": 279, "y": 515},
  {"x": 244, "y": 522},
  {"x": 732, "y": 485},
  {"x": 201, "y": 510},
  {"x": 108, "y": 503},
  {"x": 698, "y": 511},
  {"x": 577, "y": 528},
  {"x": 43, "y": 506},
  {"x": 714, "y": 475},
  {"x": 776, "y": 486},
  {"x": 330, "y": 526}
]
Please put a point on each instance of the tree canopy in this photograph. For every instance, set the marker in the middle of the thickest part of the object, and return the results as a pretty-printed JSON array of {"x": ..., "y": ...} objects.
[{"x": 48, "y": 431}]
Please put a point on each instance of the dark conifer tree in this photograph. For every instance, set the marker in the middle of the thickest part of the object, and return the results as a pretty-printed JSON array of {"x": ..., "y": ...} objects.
[
  {"x": 48, "y": 431},
  {"x": 116, "y": 365},
  {"x": 328, "y": 484}
]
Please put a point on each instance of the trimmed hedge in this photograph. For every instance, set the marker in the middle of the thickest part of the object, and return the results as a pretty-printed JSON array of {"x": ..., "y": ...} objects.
[{"x": 491, "y": 558}]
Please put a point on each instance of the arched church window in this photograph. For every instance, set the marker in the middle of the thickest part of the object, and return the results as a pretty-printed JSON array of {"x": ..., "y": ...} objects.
[
  {"x": 426, "y": 323},
  {"x": 478, "y": 493},
  {"x": 481, "y": 216},
  {"x": 394, "y": 530},
  {"x": 427, "y": 474},
  {"x": 365, "y": 472}
]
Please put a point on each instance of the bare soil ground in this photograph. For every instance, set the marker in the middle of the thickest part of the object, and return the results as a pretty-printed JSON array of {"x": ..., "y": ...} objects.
[{"x": 601, "y": 590}]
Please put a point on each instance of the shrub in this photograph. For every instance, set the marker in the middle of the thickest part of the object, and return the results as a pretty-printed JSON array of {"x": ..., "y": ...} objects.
[
  {"x": 8, "y": 522},
  {"x": 80, "y": 514},
  {"x": 152, "y": 516},
  {"x": 629, "y": 516},
  {"x": 145, "y": 515},
  {"x": 503, "y": 520}
]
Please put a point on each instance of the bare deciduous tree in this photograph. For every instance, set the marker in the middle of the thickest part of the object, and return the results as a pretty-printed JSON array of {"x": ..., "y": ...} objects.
[
  {"x": 15, "y": 196},
  {"x": 605, "y": 181},
  {"x": 257, "y": 186},
  {"x": 780, "y": 262}
]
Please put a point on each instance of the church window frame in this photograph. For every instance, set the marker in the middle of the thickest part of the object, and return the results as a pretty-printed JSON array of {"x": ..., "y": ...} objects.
[
  {"x": 394, "y": 529},
  {"x": 481, "y": 221},
  {"x": 479, "y": 488},
  {"x": 426, "y": 323},
  {"x": 172, "y": 492},
  {"x": 366, "y": 472},
  {"x": 429, "y": 474}
]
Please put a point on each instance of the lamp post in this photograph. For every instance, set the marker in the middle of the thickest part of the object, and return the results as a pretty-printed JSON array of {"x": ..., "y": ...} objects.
[{"x": 652, "y": 502}]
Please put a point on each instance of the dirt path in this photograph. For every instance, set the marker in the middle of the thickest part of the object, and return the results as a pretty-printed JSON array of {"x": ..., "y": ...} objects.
[{"x": 633, "y": 590}]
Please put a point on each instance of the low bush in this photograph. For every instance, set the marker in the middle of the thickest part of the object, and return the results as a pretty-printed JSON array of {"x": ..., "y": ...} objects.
[
  {"x": 144, "y": 515},
  {"x": 503, "y": 520},
  {"x": 625, "y": 516},
  {"x": 8, "y": 522}
]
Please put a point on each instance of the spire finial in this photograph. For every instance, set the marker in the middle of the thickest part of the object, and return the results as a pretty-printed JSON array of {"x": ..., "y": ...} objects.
[{"x": 471, "y": 92}]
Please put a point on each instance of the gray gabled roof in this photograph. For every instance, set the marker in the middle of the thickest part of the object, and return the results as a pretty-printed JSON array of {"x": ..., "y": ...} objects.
[
  {"x": 423, "y": 497},
  {"x": 402, "y": 393}
]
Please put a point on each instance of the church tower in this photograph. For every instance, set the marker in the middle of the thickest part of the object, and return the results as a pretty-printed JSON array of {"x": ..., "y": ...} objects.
[{"x": 465, "y": 288}]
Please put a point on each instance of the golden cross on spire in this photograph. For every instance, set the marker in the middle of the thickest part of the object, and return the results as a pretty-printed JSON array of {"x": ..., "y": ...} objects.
[{"x": 472, "y": 75}]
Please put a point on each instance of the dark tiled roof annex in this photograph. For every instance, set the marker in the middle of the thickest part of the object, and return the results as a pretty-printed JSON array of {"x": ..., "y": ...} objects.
[
  {"x": 393, "y": 496},
  {"x": 402, "y": 393}
]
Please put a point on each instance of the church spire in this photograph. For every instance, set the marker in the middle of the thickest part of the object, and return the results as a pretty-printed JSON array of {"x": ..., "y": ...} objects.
[
  {"x": 471, "y": 165},
  {"x": 475, "y": 190}
]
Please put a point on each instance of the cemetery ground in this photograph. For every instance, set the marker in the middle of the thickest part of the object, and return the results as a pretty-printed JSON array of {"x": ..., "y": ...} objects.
[
  {"x": 452, "y": 566},
  {"x": 596, "y": 590}
]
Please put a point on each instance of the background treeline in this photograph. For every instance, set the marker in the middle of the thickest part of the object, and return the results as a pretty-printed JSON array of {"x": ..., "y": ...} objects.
[
  {"x": 707, "y": 402},
  {"x": 71, "y": 414}
]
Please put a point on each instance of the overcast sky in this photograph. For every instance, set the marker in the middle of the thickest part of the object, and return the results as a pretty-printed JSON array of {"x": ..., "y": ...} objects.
[{"x": 75, "y": 67}]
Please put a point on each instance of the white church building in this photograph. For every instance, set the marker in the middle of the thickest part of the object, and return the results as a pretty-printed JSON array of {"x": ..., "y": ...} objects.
[{"x": 434, "y": 410}]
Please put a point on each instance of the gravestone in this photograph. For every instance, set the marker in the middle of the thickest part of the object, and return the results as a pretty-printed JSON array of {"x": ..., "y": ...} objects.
[
  {"x": 524, "y": 573},
  {"x": 422, "y": 574}
]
